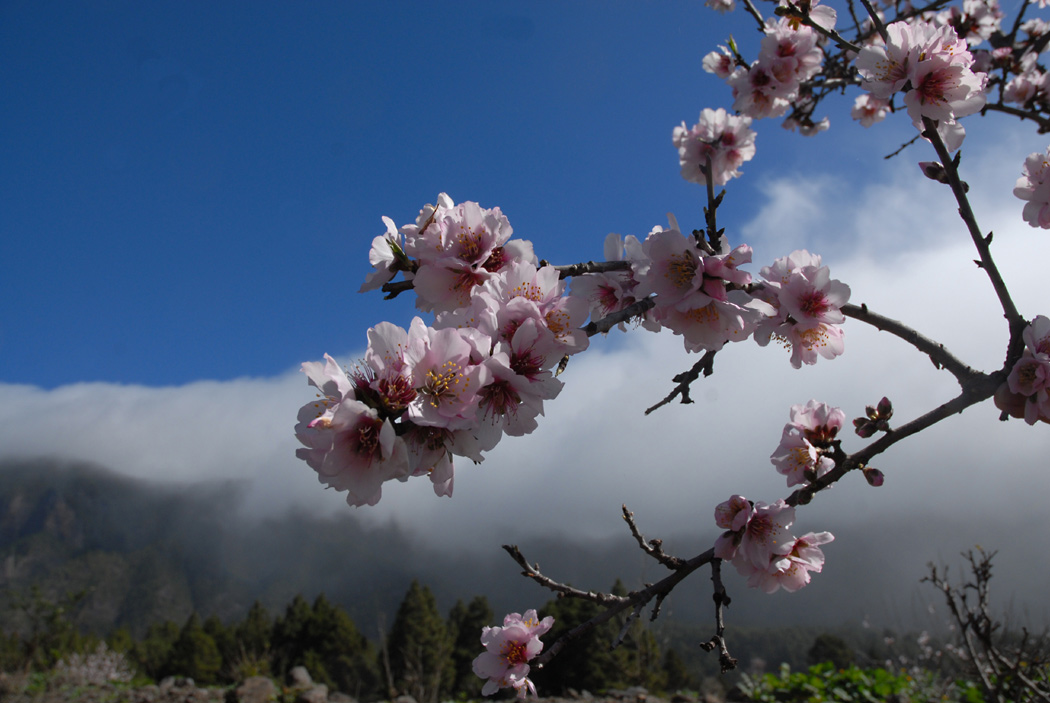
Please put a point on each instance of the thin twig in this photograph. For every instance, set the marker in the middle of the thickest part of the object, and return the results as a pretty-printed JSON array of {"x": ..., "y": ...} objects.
[
  {"x": 876, "y": 21},
  {"x": 795, "y": 13},
  {"x": 756, "y": 14},
  {"x": 532, "y": 571},
  {"x": 938, "y": 354},
  {"x": 653, "y": 547},
  {"x": 722, "y": 600},
  {"x": 705, "y": 366},
  {"x": 605, "y": 324}
]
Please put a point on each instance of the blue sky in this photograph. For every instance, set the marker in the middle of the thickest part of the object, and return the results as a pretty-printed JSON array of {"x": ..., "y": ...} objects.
[
  {"x": 189, "y": 192},
  {"x": 189, "y": 189}
]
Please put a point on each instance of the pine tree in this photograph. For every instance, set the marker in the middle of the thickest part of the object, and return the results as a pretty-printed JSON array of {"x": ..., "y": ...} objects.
[
  {"x": 195, "y": 654},
  {"x": 252, "y": 651},
  {"x": 289, "y": 636},
  {"x": 676, "y": 675},
  {"x": 341, "y": 656},
  {"x": 224, "y": 642},
  {"x": 418, "y": 646},
  {"x": 464, "y": 629},
  {"x": 152, "y": 653}
]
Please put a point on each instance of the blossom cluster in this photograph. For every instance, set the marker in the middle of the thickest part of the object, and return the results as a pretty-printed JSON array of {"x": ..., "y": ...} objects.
[
  {"x": 700, "y": 293},
  {"x": 423, "y": 395},
  {"x": 756, "y": 540},
  {"x": 808, "y": 308},
  {"x": 790, "y": 54},
  {"x": 807, "y": 441},
  {"x": 1034, "y": 188},
  {"x": 1029, "y": 380},
  {"x": 508, "y": 650},
  {"x": 726, "y": 140},
  {"x": 934, "y": 66}
]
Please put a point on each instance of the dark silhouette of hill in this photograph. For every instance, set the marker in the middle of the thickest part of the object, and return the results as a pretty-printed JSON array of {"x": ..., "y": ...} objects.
[{"x": 148, "y": 552}]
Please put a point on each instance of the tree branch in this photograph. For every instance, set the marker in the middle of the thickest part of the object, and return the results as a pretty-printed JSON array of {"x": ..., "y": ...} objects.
[
  {"x": 938, "y": 354},
  {"x": 706, "y": 366}
]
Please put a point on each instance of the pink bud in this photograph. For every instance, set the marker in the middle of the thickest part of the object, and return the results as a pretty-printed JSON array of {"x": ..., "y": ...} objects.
[{"x": 874, "y": 476}]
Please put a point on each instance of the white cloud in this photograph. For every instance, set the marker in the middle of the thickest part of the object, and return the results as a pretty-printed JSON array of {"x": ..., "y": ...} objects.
[{"x": 595, "y": 449}]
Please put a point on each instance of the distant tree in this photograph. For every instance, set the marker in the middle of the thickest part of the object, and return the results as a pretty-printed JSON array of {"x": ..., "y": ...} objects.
[
  {"x": 225, "y": 642},
  {"x": 591, "y": 663},
  {"x": 252, "y": 638},
  {"x": 120, "y": 640},
  {"x": 337, "y": 654},
  {"x": 464, "y": 630},
  {"x": 638, "y": 655},
  {"x": 51, "y": 633},
  {"x": 419, "y": 648},
  {"x": 676, "y": 675},
  {"x": 325, "y": 640},
  {"x": 195, "y": 654},
  {"x": 150, "y": 655},
  {"x": 829, "y": 648},
  {"x": 289, "y": 638}
]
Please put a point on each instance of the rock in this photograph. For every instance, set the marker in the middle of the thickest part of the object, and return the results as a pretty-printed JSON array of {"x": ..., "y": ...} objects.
[
  {"x": 255, "y": 689},
  {"x": 340, "y": 697},
  {"x": 404, "y": 699},
  {"x": 315, "y": 694},
  {"x": 300, "y": 677}
]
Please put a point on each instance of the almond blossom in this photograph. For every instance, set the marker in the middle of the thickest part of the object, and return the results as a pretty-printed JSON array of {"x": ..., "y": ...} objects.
[
  {"x": 807, "y": 306},
  {"x": 727, "y": 140},
  {"x": 346, "y": 442},
  {"x": 1030, "y": 376},
  {"x": 804, "y": 441},
  {"x": 1034, "y": 188},
  {"x": 508, "y": 649}
]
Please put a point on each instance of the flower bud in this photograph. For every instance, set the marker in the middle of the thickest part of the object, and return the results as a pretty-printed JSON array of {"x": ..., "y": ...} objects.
[{"x": 874, "y": 477}]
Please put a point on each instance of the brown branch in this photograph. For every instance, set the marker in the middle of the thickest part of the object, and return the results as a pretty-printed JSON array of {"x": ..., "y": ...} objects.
[
  {"x": 722, "y": 600},
  {"x": 976, "y": 390},
  {"x": 605, "y": 324},
  {"x": 653, "y": 547},
  {"x": 705, "y": 366},
  {"x": 804, "y": 18},
  {"x": 635, "y": 598},
  {"x": 532, "y": 571},
  {"x": 951, "y": 167},
  {"x": 753, "y": 11},
  {"x": 939, "y": 355},
  {"x": 1043, "y": 122},
  {"x": 590, "y": 267}
]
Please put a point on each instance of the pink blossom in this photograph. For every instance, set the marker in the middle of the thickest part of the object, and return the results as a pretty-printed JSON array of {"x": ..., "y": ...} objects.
[
  {"x": 798, "y": 459},
  {"x": 818, "y": 422},
  {"x": 757, "y": 93},
  {"x": 721, "y": 6},
  {"x": 1030, "y": 376},
  {"x": 766, "y": 534},
  {"x": 721, "y": 63},
  {"x": 867, "y": 109},
  {"x": 387, "y": 251},
  {"x": 445, "y": 377},
  {"x": 792, "y": 571},
  {"x": 727, "y": 140},
  {"x": 807, "y": 308},
  {"x": 809, "y": 434},
  {"x": 610, "y": 291},
  {"x": 346, "y": 442},
  {"x": 1034, "y": 187},
  {"x": 508, "y": 649}
]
